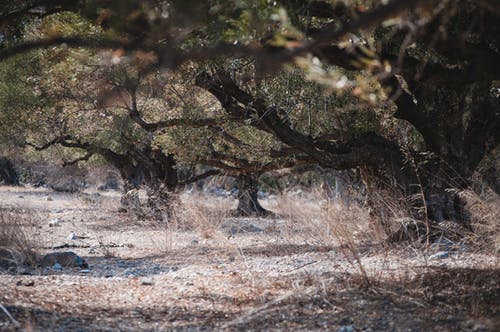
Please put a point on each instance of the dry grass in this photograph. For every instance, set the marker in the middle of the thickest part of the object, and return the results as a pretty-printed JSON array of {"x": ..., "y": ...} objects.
[
  {"x": 318, "y": 220},
  {"x": 307, "y": 269},
  {"x": 203, "y": 214},
  {"x": 17, "y": 242},
  {"x": 327, "y": 222},
  {"x": 484, "y": 212}
]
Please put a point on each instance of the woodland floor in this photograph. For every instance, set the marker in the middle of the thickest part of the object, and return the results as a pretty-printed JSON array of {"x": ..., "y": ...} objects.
[{"x": 244, "y": 274}]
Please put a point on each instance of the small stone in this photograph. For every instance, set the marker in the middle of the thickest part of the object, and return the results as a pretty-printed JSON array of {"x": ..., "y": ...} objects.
[
  {"x": 72, "y": 236},
  {"x": 440, "y": 255},
  {"x": 20, "y": 196},
  {"x": 85, "y": 271},
  {"x": 147, "y": 281},
  {"x": 55, "y": 222},
  {"x": 50, "y": 198},
  {"x": 57, "y": 267},
  {"x": 129, "y": 272},
  {"x": 67, "y": 259},
  {"x": 26, "y": 283},
  {"x": 347, "y": 328}
]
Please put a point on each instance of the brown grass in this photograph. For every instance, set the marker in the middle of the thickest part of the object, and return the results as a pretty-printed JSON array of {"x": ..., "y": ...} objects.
[
  {"x": 203, "y": 214},
  {"x": 484, "y": 212},
  {"x": 321, "y": 221},
  {"x": 327, "y": 222},
  {"x": 17, "y": 242}
]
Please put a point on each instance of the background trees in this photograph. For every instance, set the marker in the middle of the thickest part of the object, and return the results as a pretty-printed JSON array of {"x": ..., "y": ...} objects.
[{"x": 407, "y": 91}]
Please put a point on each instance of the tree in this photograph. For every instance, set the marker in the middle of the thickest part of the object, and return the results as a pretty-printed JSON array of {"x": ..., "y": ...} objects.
[{"x": 426, "y": 70}]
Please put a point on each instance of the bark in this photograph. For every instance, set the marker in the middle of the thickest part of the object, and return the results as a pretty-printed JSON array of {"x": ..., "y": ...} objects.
[
  {"x": 8, "y": 174},
  {"x": 248, "y": 203}
]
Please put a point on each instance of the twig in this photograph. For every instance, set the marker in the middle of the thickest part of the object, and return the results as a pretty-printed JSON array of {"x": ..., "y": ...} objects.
[
  {"x": 303, "y": 265},
  {"x": 15, "y": 322}
]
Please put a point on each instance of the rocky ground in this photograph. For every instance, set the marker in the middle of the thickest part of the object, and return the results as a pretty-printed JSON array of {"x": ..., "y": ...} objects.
[{"x": 209, "y": 272}]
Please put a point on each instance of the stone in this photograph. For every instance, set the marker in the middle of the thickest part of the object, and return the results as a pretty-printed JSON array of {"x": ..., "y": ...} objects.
[
  {"x": 110, "y": 182},
  {"x": 66, "y": 259},
  {"x": 146, "y": 281},
  {"x": 68, "y": 185},
  {"x": 72, "y": 236},
  {"x": 26, "y": 283},
  {"x": 57, "y": 267},
  {"x": 55, "y": 222},
  {"x": 346, "y": 328}
]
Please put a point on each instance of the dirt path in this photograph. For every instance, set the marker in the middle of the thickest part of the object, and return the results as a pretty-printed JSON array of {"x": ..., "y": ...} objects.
[{"x": 239, "y": 274}]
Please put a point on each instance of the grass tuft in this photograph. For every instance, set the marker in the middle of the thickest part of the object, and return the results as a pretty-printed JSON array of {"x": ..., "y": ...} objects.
[{"x": 17, "y": 243}]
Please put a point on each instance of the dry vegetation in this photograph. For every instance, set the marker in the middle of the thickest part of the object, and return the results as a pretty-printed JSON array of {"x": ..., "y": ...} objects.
[
  {"x": 318, "y": 265},
  {"x": 17, "y": 243}
]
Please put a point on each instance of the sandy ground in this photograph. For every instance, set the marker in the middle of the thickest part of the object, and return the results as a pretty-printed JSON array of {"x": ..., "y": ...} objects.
[{"x": 230, "y": 274}]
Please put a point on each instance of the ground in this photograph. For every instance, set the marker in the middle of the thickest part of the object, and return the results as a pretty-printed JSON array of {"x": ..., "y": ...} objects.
[{"x": 207, "y": 271}]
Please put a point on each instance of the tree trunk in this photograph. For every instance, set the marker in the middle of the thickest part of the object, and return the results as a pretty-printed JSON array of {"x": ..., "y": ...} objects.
[
  {"x": 161, "y": 202},
  {"x": 418, "y": 208},
  {"x": 8, "y": 175},
  {"x": 248, "y": 203}
]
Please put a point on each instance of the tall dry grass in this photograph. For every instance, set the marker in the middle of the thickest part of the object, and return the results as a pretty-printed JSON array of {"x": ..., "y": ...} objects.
[
  {"x": 17, "y": 240},
  {"x": 316, "y": 219},
  {"x": 319, "y": 220},
  {"x": 203, "y": 214},
  {"x": 484, "y": 212}
]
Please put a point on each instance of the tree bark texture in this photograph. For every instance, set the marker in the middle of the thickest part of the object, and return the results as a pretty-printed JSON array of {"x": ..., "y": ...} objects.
[
  {"x": 8, "y": 174},
  {"x": 248, "y": 202}
]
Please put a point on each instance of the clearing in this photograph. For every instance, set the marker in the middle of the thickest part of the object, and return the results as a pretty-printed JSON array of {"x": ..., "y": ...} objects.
[{"x": 212, "y": 272}]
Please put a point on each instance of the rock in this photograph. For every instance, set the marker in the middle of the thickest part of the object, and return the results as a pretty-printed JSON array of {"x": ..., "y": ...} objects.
[
  {"x": 110, "y": 182},
  {"x": 49, "y": 198},
  {"x": 243, "y": 228},
  {"x": 57, "y": 267},
  {"x": 129, "y": 272},
  {"x": 479, "y": 328},
  {"x": 440, "y": 255},
  {"x": 26, "y": 283},
  {"x": 146, "y": 281},
  {"x": 346, "y": 328},
  {"x": 66, "y": 259},
  {"x": 85, "y": 271},
  {"x": 55, "y": 222},
  {"x": 72, "y": 236},
  {"x": 70, "y": 185},
  {"x": 20, "y": 196}
]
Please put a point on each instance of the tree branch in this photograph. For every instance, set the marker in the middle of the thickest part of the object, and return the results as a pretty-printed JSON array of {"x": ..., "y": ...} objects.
[
  {"x": 199, "y": 177},
  {"x": 86, "y": 157}
]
